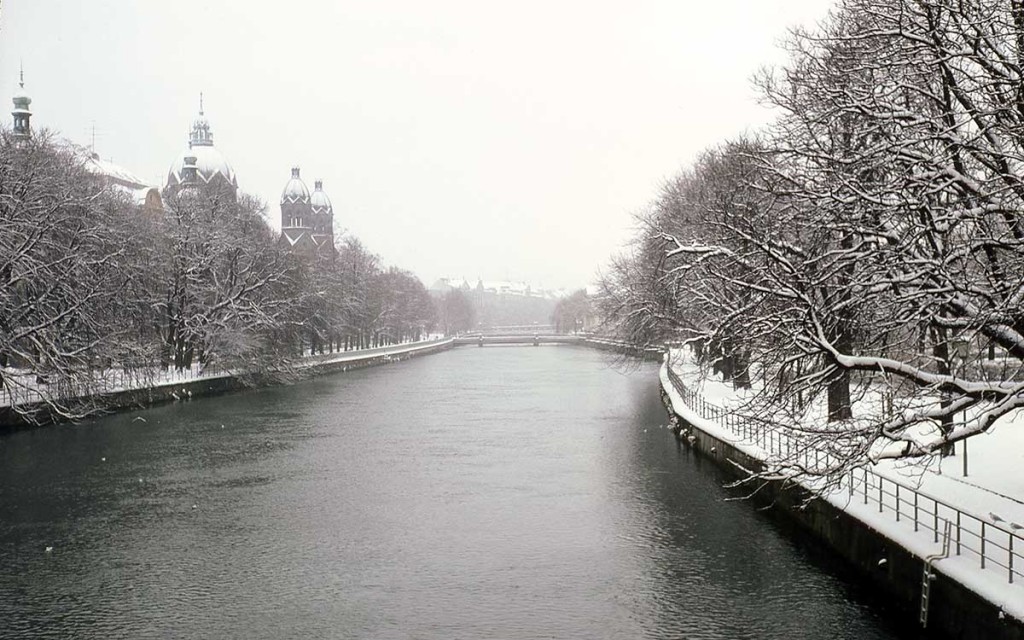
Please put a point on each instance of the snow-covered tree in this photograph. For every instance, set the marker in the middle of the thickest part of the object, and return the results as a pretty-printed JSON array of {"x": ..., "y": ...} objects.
[{"x": 867, "y": 248}]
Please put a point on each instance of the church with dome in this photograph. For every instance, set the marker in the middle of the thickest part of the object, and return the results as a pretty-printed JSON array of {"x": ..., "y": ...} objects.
[
  {"x": 307, "y": 219},
  {"x": 201, "y": 164}
]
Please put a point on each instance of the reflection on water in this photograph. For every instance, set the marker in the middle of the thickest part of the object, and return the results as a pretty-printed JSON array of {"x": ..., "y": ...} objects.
[{"x": 479, "y": 493}]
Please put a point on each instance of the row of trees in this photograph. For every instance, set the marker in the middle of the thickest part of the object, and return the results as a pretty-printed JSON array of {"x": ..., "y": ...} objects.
[
  {"x": 867, "y": 248},
  {"x": 89, "y": 282}
]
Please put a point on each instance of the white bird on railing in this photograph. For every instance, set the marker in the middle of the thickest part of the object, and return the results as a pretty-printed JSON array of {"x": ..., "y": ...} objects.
[
  {"x": 994, "y": 517},
  {"x": 1015, "y": 526}
]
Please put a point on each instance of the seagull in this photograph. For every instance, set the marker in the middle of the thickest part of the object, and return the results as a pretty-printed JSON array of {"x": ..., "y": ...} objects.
[
  {"x": 139, "y": 419},
  {"x": 103, "y": 459},
  {"x": 194, "y": 507},
  {"x": 49, "y": 549},
  {"x": 994, "y": 517},
  {"x": 883, "y": 562},
  {"x": 1015, "y": 526}
]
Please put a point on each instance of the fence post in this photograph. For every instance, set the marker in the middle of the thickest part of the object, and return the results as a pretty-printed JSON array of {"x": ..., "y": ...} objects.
[
  {"x": 957, "y": 532},
  {"x": 898, "y": 504},
  {"x": 881, "y": 496},
  {"x": 982, "y": 544}
]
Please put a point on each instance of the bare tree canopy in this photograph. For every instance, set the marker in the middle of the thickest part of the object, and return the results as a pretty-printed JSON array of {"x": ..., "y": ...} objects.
[{"x": 90, "y": 282}]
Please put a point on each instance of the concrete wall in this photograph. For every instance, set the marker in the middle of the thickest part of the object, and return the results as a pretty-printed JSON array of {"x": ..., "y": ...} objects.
[{"x": 955, "y": 611}]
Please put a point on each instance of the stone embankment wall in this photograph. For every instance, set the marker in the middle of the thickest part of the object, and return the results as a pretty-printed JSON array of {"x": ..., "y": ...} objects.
[
  {"x": 954, "y": 612},
  {"x": 215, "y": 385}
]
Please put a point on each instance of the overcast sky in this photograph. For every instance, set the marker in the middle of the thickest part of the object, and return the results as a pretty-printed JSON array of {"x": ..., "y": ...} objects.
[{"x": 468, "y": 138}]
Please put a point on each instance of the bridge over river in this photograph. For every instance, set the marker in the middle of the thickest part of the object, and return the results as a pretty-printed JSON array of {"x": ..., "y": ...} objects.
[{"x": 474, "y": 493}]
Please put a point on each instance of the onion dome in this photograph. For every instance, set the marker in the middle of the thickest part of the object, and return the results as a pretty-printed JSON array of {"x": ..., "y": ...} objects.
[
  {"x": 295, "y": 190},
  {"x": 321, "y": 203},
  {"x": 206, "y": 159}
]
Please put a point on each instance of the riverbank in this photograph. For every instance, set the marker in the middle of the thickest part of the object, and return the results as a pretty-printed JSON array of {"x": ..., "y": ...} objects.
[
  {"x": 176, "y": 388},
  {"x": 133, "y": 392},
  {"x": 861, "y": 523}
]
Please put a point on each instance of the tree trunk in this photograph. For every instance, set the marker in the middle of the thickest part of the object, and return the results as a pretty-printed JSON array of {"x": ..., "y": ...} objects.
[
  {"x": 839, "y": 386},
  {"x": 940, "y": 349}
]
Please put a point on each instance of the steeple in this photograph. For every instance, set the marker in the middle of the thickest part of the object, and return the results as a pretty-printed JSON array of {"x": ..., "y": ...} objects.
[
  {"x": 201, "y": 135},
  {"x": 21, "y": 113}
]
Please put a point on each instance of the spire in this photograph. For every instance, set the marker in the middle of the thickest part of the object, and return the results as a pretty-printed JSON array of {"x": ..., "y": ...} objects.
[
  {"x": 22, "y": 114},
  {"x": 201, "y": 135},
  {"x": 21, "y": 74}
]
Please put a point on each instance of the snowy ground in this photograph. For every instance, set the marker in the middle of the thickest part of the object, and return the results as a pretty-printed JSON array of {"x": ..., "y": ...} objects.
[
  {"x": 113, "y": 380},
  {"x": 910, "y": 502}
]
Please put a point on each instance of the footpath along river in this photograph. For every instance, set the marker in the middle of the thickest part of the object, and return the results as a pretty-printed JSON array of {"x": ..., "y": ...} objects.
[{"x": 513, "y": 492}]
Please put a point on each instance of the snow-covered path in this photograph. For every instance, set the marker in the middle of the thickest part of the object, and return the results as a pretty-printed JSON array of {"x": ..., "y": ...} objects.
[{"x": 908, "y": 502}]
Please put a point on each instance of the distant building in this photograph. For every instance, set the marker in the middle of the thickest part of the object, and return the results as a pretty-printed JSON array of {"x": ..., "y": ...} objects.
[
  {"x": 143, "y": 195},
  {"x": 496, "y": 287},
  {"x": 307, "y": 220},
  {"x": 201, "y": 164},
  {"x": 502, "y": 303}
]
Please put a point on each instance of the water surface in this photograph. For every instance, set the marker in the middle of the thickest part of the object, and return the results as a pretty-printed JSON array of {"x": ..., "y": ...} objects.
[{"x": 479, "y": 493}]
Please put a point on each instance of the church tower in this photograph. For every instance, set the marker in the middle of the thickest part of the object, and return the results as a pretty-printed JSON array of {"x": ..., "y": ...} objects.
[
  {"x": 21, "y": 113},
  {"x": 307, "y": 220},
  {"x": 297, "y": 214},
  {"x": 323, "y": 217}
]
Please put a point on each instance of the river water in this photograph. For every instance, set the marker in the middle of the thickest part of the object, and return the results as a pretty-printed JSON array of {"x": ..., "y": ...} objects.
[{"x": 515, "y": 492}]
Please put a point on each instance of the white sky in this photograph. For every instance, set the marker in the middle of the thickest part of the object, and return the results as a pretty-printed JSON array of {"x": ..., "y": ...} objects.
[{"x": 465, "y": 138}]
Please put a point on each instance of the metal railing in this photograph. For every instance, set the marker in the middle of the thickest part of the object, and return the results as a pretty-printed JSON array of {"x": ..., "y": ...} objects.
[
  {"x": 30, "y": 390},
  {"x": 996, "y": 544}
]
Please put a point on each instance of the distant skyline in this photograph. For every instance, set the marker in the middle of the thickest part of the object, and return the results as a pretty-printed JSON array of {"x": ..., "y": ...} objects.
[{"x": 510, "y": 141}]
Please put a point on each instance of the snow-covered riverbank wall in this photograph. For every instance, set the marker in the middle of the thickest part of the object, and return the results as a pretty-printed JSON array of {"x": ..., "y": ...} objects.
[
  {"x": 954, "y": 610},
  {"x": 215, "y": 384}
]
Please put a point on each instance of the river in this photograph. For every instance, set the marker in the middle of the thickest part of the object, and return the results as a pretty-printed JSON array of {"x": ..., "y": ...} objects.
[{"x": 516, "y": 492}]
